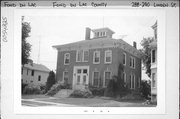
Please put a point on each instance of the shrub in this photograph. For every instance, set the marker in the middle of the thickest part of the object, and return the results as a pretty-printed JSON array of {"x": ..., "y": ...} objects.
[
  {"x": 32, "y": 89},
  {"x": 145, "y": 89},
  {"x": 97, "y": 91},
  {"x": 81, "y": 94},
  {"x": 50, "y": 81},
  {"x": 23, "y": 87},
  {"x": 54, "y": 89}
]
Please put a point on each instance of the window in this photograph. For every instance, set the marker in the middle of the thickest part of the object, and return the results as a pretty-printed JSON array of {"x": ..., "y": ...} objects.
[
  {"x": 32, "y": 73},
  {"x": 95, "y": 78},
  {"x": 82, "y": 56},
  {"x": 66, "y": 58},
  {"x": 153, "y": 80},
  {"x": 78, "y": 79},
  {"x": 107, "y": 77},
  {"x": 84, "y": 80},
  {"x": 124, "y": 77},
  {"x": 124, "y": 58},
  {"x": 39, "y": 78},
  {"x": 85, "y": 55},
  {"x": 132, "y": 81},
  {"x": 98, "y": 34},
  {"x": 27, "y": 71},
  {"x": 65, "y": 77},
  {"x": 153, "y": 56},
  {"x": 108, "y": 56},
  {"x": 139, "y": 83},
  {"x": 96, "y": 57},
  {"x": 132, "y": 62},
  {"x": 79, "y": 56}
]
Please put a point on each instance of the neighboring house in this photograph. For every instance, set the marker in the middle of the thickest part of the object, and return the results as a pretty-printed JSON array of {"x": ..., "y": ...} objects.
[
  {"x": 153, "y": 46},
  {"x": 35, "y": 74},
  {"x": 93, "y": 61}
]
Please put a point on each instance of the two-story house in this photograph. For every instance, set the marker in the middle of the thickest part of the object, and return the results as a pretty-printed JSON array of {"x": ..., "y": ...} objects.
[
  {"x": 36, "y": 74},
  {"x": 153, "y": 46},
  {"x": 93, "y": 61}
]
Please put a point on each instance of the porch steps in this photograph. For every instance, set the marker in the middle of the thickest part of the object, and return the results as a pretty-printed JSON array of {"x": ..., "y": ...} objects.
[{"x": 63, "y": 93}]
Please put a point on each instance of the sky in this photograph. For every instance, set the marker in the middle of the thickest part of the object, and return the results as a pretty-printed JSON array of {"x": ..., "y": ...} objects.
[{"x": 47, "y": 31}]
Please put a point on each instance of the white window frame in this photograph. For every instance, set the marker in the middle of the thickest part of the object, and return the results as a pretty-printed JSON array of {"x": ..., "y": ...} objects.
[
  {"x": 93, "y": 78},
  {"x": 77, "y": 55},
  {"x": 124, "y": 77},
  {"x": 104, "y": 82},
  {"x": 83, "y": 56},
  {"x": 125, "y": 58},
  {"x": 94, "y": 57},
  {"x": 64, "y": 73},
  {"x": 154, "y": 83},
  {"x": 106, "y": 56},
  {"x": 65, "y": 58},
  {"x": 134, "y": 78},
  {"x": 134, "y": 63}
]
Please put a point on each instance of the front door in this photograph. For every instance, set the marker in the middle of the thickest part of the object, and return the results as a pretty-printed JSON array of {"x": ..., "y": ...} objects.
[{"x": 81, "y": 77}]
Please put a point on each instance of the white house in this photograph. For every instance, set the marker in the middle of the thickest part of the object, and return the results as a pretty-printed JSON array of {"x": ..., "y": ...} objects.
[
  {"x": 35, "y": 73},
  {"x": 153, "y": 46}
]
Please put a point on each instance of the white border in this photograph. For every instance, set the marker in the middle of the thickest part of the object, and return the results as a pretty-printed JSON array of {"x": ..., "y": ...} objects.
[{"x": 159, "y": 109}]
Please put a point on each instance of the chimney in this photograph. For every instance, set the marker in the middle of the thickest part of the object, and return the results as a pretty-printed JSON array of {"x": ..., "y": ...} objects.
[
  {"x": 134, "y": 44},
  {"x": 88, "y": 33}
]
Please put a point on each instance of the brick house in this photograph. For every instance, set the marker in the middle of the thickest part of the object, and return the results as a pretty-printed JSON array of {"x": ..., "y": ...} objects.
[
  {"x": 93, "y": 61},
  {"x": 153, "y": 46},
  {"x": 36, "y": 74}
]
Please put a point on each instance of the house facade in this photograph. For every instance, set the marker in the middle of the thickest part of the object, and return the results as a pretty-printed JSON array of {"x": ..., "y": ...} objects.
[
  {"x": 93, "y": 61},
  {"x": 153, "y": 46},
  {"x": 36, "y": 74}
]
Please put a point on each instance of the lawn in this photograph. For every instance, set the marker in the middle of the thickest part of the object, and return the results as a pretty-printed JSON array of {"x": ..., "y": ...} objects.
[{"x": 89, "y": 102}]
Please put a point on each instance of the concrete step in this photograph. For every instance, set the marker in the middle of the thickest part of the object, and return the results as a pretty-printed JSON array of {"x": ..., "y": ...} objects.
[{"x": 64, "y": 93}]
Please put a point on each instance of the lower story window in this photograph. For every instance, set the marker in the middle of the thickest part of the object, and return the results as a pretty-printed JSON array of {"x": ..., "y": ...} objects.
[
  {"x": 66, "y": 77},
  {"x": 95, "y": 78},
  {"x": 153, "y": 80},
  {"x": 107, "y": 77}
]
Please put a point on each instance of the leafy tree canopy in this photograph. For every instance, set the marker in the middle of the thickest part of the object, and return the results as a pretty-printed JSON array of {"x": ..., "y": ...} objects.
[
  {"x": 146, "y": 50},
  {"x": 26, "y": 47},
  {"x": 50, "y": 80}
]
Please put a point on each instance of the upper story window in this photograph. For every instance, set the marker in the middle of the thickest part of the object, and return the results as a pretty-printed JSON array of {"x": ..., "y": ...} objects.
[
  {"x": 124, "y": 58},
  {"x": 39, "y": 78},
  {"x": 96, "y": 57},
  {"x": 82, "y": 56},
  {"x": 132, "y": 62},
  {"x": 85, "y": 55},
  {"x": 153, "y": 56},
  {"x": 66, "y": 58},
  {"x": 108, "y": 56}
]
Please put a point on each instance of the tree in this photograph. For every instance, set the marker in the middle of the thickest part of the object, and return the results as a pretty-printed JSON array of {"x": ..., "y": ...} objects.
[
  {"x": 50, "y": 80},
  {"x": 26, "y": 47},
  {"x": 145, "y": 89},
  {"x": 146, "y": 58},
  {"x": 116, "y": 86}
]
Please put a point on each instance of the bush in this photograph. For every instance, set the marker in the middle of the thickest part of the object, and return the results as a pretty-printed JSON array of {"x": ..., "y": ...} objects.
[
  {"x": 23, "y": 87},
  {"x": 145, "y": 89},
  {"x": 54, "y": 89},
  {"x": 32, "y": 89},
  {"x": 50, "y": 81},
  {"x": 81, "y": 94},
  {"x": 97, "y": 91}
]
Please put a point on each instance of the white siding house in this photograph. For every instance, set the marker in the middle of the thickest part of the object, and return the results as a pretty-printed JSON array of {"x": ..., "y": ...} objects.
[
  {"x": 35, "y": 74},
  {"x": 153, "y": 46}
]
